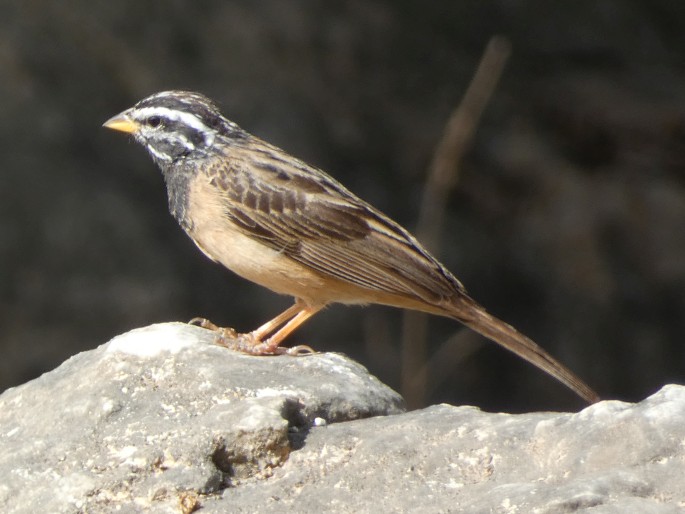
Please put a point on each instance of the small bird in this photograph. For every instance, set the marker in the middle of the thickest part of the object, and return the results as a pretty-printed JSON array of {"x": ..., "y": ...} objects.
[{"x": 288, "y": 226}]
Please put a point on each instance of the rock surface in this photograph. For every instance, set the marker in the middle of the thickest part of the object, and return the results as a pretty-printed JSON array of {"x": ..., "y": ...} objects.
[{"x": 161, "y": 420}]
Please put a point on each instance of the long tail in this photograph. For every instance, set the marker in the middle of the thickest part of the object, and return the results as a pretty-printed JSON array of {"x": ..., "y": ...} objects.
[{"x": 474, "y": 316}]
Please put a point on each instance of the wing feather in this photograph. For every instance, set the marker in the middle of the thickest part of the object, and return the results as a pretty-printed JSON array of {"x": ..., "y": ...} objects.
[{"x": 314, "y": 220}]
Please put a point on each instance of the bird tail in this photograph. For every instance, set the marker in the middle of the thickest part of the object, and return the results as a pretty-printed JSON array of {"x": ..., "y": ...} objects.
[{"x": 474, "y": 316}]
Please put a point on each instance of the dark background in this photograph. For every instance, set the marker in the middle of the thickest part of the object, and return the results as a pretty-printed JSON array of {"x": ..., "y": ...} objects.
[{"x": 568, "y": 219}]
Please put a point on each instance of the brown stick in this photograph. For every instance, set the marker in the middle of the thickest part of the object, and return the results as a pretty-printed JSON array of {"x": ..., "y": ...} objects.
[{"x": 442, "y": 177}]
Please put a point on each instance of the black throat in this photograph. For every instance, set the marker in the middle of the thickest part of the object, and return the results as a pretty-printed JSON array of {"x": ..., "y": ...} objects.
[{"x": 178, "y": 176}]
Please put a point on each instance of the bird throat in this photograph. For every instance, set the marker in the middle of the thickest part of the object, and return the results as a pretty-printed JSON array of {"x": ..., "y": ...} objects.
[{"x": 177, "y": 177}]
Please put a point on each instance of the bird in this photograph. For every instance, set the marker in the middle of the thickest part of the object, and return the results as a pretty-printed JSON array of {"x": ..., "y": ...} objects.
[{"x": 290, "y": 227}]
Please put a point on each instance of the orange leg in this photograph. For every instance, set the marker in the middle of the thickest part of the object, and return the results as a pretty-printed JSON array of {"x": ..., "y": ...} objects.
[
  {"x": 271, "y": 325},
  {"x": 271, "y": 345}
]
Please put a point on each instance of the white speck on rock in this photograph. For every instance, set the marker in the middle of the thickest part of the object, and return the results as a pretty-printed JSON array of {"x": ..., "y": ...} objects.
[
  {"x": 126, "y": 452},
  {"x": 107, "y": 406}
]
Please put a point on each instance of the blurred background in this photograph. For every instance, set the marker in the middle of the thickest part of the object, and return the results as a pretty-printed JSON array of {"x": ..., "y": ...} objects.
[{"x": 567, "y": 218}]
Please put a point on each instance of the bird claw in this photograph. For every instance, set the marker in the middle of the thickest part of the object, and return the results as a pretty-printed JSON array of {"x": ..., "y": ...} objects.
[
  {"x": 248, "y": 343},
  {"x": 298, "y": 351},
  {"x": 204, "y": 323}
]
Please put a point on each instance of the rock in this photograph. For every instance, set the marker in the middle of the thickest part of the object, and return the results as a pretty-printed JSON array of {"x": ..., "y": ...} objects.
[
  {"x": 161, "y": 420},
  {"x": 160, "y": 411},
  {"x": 611, "y": 457}
]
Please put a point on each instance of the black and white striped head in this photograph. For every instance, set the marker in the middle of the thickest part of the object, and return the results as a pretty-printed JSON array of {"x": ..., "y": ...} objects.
[{"x": 174, "y": 124}]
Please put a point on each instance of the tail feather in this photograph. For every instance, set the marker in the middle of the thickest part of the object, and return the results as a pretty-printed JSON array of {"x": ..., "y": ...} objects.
[{"x": 475, "y": 317}]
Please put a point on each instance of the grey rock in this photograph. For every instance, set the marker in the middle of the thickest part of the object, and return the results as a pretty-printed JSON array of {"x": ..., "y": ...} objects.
[
  {"x": 160, "y": 411},
  {"x": 161, "y": 420},
  {"x": 612, "y": 457}
]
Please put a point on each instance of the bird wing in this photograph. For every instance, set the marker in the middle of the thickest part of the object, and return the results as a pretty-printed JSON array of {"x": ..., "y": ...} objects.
[{"x": 303, "y": 213}]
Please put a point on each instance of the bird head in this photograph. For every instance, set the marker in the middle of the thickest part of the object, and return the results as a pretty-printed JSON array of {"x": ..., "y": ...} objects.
[{"x": 174, "y": 124}]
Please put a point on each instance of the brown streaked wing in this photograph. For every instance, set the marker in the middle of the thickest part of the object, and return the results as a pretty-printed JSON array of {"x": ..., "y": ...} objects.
[{"x": 331, "y": 232}]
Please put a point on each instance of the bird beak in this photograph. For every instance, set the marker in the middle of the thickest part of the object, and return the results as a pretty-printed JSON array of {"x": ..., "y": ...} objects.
[{"x": 122, "y": 123}]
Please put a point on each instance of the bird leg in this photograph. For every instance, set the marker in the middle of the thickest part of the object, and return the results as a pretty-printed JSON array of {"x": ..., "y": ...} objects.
[{"x": 254, "y": 342}]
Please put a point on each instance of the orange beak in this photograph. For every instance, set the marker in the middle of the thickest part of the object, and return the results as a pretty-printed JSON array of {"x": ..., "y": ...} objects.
[{"x": 122, "y": 123}]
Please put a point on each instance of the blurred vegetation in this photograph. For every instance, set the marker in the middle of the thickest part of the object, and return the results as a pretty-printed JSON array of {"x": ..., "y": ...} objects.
[{"x": 568, "y": 218}]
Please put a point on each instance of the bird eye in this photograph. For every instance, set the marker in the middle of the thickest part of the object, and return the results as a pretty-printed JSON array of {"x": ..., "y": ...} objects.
[{"x": 154, "y": 121}]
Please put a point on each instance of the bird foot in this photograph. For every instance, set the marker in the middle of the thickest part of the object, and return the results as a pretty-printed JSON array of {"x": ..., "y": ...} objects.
[
  {"x": 249, "y": 343},
  {"x": 205, "y": 323}
]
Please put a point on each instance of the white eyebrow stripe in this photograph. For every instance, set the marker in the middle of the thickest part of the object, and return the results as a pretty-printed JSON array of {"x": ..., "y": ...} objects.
[{"x": 186, "y": 118}]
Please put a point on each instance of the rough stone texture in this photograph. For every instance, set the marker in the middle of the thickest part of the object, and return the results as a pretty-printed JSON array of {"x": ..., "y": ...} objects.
[
  {"x": 161, "y": 420},
  {"x": 161, "y": 410},
  {"x": 612, "y": 457}
]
